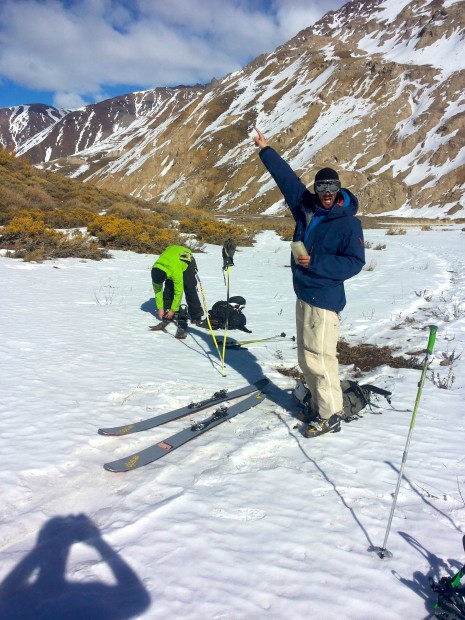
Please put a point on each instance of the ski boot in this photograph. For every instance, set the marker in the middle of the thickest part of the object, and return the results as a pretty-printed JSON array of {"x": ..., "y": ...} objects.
[{"x": 182, "y": 321}]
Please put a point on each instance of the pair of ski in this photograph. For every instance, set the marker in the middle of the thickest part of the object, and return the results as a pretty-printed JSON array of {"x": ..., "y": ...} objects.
[{"x": 162, "y": 448}]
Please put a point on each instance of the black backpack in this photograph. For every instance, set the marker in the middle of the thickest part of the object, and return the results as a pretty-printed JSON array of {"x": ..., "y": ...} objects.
[
  {"x": 232, "y": 313},
  {"x": 355, "y": 397}
]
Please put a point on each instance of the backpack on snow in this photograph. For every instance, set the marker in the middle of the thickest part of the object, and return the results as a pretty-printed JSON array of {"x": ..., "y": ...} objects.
[
  {"x": 232, "y": 313},
  {"x": 355, "y": 397}
]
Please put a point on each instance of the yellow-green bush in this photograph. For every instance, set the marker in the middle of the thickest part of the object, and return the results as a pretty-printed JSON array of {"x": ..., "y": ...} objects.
[
  {"x": 28, "y": 237},
  {"x": 208, "y": 230},
  {"x": 24, "y": 224},
  {"x": 125, "y": 234},
  {"x": 72, "y": 218}
]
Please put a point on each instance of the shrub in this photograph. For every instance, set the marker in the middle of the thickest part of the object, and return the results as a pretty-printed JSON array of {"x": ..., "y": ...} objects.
[
  {"x": 209, "y": 230},
  {"x": 134, "y": 213},
  {"x": 72, "y": 218},
  {"x": 396, "y": 231},
  {"x": 371, "y": 266},
  {"x": 38, "y": 198},
  {"x": 29, "y": 237},
  {"x": 137, "y": 236},
  {"x": 10, "y": 201},
  {"x": 23, "y": 225},
  {"x": 58, "y": 245}
]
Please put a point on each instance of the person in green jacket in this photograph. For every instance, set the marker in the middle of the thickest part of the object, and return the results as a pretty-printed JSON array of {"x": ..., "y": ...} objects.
[{"x": 173, "y": 274}]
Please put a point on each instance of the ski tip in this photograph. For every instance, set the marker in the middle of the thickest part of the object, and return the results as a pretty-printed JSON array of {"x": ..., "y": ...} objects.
[
  {"x": 116, "y": 432},
  {"x": 110, "y": 467}
]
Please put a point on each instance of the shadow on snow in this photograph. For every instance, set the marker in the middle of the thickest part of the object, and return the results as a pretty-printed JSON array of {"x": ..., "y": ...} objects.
[{"x": 38, "y": 589}]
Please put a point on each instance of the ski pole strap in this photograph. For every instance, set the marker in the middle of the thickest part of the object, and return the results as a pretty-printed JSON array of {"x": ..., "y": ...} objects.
[{"x": 229, "y": 248}]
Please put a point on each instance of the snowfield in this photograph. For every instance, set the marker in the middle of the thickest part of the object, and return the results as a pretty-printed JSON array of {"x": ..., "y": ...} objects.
[{"x": 250, "y": 520}]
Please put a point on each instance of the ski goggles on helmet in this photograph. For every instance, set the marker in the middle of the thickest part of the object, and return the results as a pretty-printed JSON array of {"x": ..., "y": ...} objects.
[{"x": 332, "y": 186}]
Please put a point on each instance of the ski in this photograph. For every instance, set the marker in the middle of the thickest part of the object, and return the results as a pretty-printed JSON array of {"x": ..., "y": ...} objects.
[
  {"x": 215, "y": 399},
  {"x": 162, "y": 448}
]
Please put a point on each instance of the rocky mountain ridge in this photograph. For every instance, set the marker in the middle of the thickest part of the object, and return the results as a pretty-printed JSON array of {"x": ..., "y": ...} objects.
[{"x": 375, "y": 90}]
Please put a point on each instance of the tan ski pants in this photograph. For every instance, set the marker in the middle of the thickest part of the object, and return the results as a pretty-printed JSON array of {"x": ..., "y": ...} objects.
[{"x": 317, "y": 337}]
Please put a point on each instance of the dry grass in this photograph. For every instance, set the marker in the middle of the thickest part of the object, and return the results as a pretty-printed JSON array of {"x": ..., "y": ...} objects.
[{"x": 364, "y": 357}]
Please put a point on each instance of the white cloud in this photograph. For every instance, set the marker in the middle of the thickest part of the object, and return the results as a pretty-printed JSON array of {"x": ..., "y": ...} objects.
[
  {"x": 296, "y": 15},
  {"x": 68, "y": 101},
  {"x": 78, "y": 47}
]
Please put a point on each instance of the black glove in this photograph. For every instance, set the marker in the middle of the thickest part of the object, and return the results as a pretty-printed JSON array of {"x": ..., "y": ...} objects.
[{"x": 229, "y": 248}]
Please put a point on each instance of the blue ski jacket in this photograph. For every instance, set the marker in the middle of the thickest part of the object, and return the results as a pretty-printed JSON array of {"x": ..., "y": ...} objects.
[{"x": 334, "y": 243}]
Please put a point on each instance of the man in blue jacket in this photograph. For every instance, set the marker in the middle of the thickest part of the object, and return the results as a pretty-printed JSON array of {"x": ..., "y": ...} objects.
[{"x": 333, "y": 240}]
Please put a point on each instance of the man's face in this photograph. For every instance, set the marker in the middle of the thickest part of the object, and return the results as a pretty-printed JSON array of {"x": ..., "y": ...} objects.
[
  {"x": 327, "y": 200},
  {"x": 327, "y": 192}
]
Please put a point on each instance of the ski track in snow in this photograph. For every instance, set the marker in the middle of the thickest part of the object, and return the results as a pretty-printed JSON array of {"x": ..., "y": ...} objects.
[{"x": 249, "y": 519}]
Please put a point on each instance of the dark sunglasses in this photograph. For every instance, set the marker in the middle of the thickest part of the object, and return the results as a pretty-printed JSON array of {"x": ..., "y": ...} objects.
[{"x": 321, "y": 187}]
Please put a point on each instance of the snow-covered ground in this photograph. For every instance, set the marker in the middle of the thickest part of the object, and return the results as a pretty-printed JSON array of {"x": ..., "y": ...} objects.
[{"x": 250, "y": 520}]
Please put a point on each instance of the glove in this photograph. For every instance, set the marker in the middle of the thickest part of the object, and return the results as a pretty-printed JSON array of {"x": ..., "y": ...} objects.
[{"x": 229, "y": 248}]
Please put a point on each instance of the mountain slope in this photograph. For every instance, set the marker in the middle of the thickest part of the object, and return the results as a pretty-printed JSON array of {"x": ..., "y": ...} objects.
[
  {"x": 376, "y": 90},
  {"x": 21, "y": 122}
]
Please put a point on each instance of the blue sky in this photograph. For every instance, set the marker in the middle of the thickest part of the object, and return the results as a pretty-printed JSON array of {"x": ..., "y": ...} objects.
[{"x": 69, "y": 53}]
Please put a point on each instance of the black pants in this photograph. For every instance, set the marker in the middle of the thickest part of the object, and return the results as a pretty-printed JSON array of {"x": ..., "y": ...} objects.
[{"x": 190, "y": 291}]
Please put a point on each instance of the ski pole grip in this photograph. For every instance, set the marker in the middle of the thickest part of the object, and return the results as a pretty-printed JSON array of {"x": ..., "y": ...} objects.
[{"x": 432, "y": 338}]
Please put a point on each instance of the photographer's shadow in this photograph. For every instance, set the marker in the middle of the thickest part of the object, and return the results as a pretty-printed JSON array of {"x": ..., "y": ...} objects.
[{"x": 37, "y": 588}]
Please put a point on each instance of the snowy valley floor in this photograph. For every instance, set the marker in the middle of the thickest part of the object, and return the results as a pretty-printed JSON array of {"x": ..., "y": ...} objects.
[{"x": 250, "y": 520}]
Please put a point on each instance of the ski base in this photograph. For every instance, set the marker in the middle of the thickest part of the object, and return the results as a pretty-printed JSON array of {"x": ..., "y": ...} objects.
[{"x": 162, "y": 448}]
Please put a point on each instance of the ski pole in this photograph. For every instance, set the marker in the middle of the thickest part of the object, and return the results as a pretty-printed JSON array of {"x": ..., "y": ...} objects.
[
  {"x": 227, "y": 252},
  {"x": 226, "y": 321},
  {"x": 276, "y": 337},
  {"x": 205, "y": 307},
  {"x": 383, "y": 552},
  {"x": 240, "y": 343}
]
